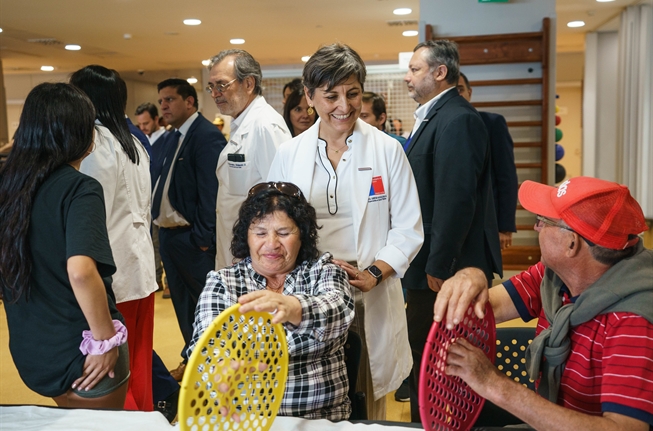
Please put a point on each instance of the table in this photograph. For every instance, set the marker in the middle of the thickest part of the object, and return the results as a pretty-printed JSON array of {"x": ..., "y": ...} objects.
[{"x": 40, "y": 418}]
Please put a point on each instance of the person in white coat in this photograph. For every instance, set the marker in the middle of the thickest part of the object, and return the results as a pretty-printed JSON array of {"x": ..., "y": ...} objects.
[
  {"x": 256, "y": 132},
  {"x": 121, "y": 165},
  {"x": 363, "y": 190}
]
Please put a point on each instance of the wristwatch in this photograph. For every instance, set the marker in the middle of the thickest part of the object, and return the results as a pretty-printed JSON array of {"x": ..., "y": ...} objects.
[{"x": 376, "y": 273}]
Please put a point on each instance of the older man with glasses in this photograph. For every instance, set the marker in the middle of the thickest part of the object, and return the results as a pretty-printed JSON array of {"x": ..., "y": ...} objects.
[
  {"x": 592, "y": 293},
  {"x": 256, "y": 132}
]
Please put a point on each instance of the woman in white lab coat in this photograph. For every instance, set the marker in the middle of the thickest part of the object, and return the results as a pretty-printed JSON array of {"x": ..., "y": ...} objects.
[
  {"x": 122, "y": 166},
  {"x": 361, "y": 185}
]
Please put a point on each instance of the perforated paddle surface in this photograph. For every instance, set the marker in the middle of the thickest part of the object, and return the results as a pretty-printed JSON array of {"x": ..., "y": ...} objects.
[
  {"x": 236, "y": 376},
  {"x": 447, "y": 402}
]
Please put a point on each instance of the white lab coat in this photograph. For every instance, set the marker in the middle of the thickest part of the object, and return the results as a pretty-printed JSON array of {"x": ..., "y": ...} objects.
[
  {"x": 257, "y": 138},
  {"x": 389, "y": 227},
  {"x": 127, "y": 198}
]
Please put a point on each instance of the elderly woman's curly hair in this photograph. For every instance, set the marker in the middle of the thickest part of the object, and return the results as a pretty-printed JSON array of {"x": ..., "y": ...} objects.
[{"x": 267, "y": 202}]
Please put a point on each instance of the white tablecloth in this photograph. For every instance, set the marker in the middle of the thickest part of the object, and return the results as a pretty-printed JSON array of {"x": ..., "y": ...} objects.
[{"x": 34, "y": 418}]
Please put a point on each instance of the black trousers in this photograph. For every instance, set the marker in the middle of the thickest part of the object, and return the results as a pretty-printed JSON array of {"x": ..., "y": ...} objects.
[
  {"x": 419, "y": 313},
  {"x": 186, "y": 268}
]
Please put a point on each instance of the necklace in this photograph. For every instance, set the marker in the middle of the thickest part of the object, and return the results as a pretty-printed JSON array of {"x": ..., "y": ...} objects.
[{"x": 338, "y": 150}]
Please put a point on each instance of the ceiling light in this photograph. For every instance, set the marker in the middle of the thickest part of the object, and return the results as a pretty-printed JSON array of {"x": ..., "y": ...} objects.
[
  {"x": 0, "y": 30},
  {"x": 47, "y": 68},
  {"x": 402, "y": 11},
  {"x": 236, "y": 41},
  {"x": 205, "y": 63},
  {"x": 574, "y": 24},
  {"x": 192, "y": 22},
  {"x": 192, "y": 80},
  {"x": 604, "y": 1},
  {"x": 73, "y": 47},
  {"x": 409, "y": 33},
  {"x": 306, "y": 58}
]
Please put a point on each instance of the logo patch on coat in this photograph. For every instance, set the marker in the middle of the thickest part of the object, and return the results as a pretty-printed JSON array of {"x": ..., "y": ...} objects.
[{"x": 377, "y": 190}]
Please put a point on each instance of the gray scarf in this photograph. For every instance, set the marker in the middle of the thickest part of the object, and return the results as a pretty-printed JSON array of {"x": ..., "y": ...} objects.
[{"x": 625, "y": 287}]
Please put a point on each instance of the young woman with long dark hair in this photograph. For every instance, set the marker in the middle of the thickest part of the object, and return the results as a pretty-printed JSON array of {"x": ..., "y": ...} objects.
[
  {"x": 121, "y": 164},
  {"x": 65, "y": 333}
]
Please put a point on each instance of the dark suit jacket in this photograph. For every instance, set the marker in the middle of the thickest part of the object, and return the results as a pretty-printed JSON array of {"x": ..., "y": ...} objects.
[
  {"x": 450, "y": 158},
  {"x": 194, "y": 185},
  {"x": 140, "y": 136},
  {"x": 504, "y": 173}
]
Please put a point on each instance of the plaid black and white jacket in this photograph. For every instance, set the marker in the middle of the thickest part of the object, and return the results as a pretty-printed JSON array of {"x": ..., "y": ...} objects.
[{"x": 317, "y": 377}]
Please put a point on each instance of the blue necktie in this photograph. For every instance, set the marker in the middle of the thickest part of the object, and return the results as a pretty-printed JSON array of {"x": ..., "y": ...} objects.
[
  {"x": 407, "y": 143},
  {"x": 169, "y": 154}
]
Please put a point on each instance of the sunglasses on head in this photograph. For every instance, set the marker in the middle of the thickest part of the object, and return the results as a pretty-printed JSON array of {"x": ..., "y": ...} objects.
[{"x": 288, "y": 189}]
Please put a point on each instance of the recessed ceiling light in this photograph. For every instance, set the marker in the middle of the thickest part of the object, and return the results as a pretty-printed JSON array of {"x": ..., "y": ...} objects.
[
  {"x": 402, "y": 11},
  {"x": 306, "y": 58},
  {"x": 192, "y": 80},
  {"x": 73, "y": 47},
  {"x": 409, "y": 33},
  {"x": 574, "y": 24},
  {"x": 206, "y": 62},
  {"x": 236, "y": 41},
  {"x": 0, "y": 30},
  {"x": 47, "y": 68},
  {"x": 604, "y": 1},
  {"x": 192, "y": 22}
]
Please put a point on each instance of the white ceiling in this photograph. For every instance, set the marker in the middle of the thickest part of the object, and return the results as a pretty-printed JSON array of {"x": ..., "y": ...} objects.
[{"x": 277, "y": 32}]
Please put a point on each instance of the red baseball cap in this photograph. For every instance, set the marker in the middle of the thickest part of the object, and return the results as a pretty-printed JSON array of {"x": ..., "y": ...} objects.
[{"x": 601, "y": 211}]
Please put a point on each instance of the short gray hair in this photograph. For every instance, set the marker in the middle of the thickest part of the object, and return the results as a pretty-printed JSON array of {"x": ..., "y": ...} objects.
[
  {"x": 332, "y": 65},
  {"x": 443, "y": 52},
  {"x": 244, "y": 66}
]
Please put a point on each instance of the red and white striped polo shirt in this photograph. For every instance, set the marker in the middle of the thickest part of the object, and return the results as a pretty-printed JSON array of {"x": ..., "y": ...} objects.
[{"x": 610, "y": 367}]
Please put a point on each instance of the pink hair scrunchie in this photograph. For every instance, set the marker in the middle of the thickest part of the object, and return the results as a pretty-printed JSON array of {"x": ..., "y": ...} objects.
[{"x": 91, "y": 346}]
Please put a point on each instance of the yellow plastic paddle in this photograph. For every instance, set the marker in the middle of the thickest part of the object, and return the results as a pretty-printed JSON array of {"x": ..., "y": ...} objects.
[{"x": 236, "y": 376}]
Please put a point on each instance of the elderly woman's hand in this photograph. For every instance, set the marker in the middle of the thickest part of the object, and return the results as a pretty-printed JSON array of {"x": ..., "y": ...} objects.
[{"x": 285, "y": 308}]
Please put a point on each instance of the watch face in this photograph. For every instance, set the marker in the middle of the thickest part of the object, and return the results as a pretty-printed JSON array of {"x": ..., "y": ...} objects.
[{"x": 375, "y": 271}]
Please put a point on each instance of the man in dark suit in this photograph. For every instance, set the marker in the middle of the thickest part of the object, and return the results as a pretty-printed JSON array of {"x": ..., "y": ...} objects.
[
  {"x": 504, "y": 172},
  {"x": 448, "y": 151},
  {"x": 183, "y": 203}
]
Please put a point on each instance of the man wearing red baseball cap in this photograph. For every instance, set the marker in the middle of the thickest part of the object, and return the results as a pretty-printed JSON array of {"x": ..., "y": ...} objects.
[{"x": 592, "y": 293}]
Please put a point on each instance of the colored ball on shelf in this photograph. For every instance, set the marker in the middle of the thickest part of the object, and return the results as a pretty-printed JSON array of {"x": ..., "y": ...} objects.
[
  {"x": 560, "y": 152},
  {"x": 558, "y": 135},
  {"x": 561, "y": 172},
  {"x": 558, "y": 120},
  {"x": 557, "y": 109}
]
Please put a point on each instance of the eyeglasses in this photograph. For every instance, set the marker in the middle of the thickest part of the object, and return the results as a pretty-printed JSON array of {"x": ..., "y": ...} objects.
[
  {"x": 547, "y": 221},
  {"x": 288, "y": 189},
  {"x": 219, "y": 88}
]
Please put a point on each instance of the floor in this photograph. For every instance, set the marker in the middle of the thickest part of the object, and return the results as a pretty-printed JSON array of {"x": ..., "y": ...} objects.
[{"x": 167, "y": 343}]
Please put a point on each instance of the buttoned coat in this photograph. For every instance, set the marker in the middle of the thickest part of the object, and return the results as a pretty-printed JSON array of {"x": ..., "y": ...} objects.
[
  {"x": 193, "y": 186},
  {"x": 450, "y": 157}
]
